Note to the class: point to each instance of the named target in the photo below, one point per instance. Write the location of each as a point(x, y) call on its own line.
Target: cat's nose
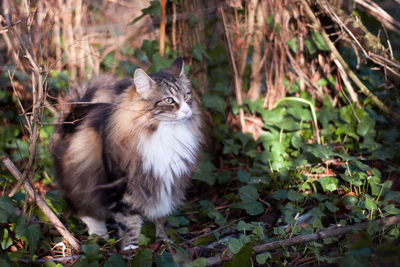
point(186, 111)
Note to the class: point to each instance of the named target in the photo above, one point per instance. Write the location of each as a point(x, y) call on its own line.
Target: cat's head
point(167, 92)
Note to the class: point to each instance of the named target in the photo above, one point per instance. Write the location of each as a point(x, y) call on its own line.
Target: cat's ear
point(143, 82)
point(177, 68)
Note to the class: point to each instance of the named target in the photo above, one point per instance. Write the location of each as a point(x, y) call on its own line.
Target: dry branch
point(42, 205)
point(251, 7)
point(368, 43)
point(256, 77)
point(381, 15)
point(335, 231)
point(335, 53)
point(238, 80)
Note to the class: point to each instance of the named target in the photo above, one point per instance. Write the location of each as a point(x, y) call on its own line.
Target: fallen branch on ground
point(330, 232)
point(42, 205)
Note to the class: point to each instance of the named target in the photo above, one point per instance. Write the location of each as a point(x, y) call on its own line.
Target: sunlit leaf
point(328, 183)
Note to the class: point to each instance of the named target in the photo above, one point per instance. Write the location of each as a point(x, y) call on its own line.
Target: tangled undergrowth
point(307, 165)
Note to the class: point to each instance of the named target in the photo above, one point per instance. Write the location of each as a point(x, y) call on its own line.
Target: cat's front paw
point(129, 247)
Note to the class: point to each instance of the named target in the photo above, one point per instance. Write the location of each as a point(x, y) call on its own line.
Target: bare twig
point(346, 81)
point(335, 231)
point(335, 53)
point(173, 30)
point(42, 204)
point(251, 6)
point(238, 80)
point(380, 14)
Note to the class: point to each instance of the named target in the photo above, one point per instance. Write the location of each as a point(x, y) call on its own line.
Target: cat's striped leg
point(129, 227)
point(160, 229)
point(95, 226)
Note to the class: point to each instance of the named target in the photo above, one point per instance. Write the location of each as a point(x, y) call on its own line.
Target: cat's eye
point(169, 100)
point(188, 95)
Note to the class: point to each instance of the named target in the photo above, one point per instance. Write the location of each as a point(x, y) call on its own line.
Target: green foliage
point(248, 189)
point(153, 10)
point(143, 258)
point(319, 41)
point(115, 261)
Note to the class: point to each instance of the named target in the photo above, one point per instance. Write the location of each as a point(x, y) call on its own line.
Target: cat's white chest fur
point(166, 154)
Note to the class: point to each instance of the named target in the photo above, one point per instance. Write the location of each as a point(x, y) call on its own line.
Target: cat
point(126, 149)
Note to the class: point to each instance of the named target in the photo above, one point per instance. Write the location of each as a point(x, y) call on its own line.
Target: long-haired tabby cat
point(126, 149)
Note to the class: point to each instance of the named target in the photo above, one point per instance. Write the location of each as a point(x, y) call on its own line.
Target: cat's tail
point(97, 90)
point(79, 101)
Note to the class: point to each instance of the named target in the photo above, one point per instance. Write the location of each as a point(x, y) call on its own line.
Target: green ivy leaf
point(243, 137)
point(243, 226)
point(199, 262)
point(153, 10)
point(299, 113)
point(205, 170)
point(243, 176)
point(204, 240)
point(311, 47)
point(369, 203)
point(322, 82)
point(6, 240)
point(319, 41)
point(55, 201)
point(143, 258)
point(297, 141)
point(263, 257)
point(32, 235)
point(252, 208)
point(319, 151)
point(143, 240)
point(234, 245)
point(209, 209)
point(293, 44)
point(248, 193)
point(330, 206)
point(173, 221)
point(214, 102)
point(366, 126)
point(294, 195)
point(242, 258)
point(328, 183)
point(281, 194)
point(150, 48)
point(391, 209)
point(182, 230)
point(7, 210)
point(166, 260)
point(254, 105)
point(115, 261)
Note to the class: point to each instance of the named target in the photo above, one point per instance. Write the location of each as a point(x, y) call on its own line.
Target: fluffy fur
point(127, 148)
